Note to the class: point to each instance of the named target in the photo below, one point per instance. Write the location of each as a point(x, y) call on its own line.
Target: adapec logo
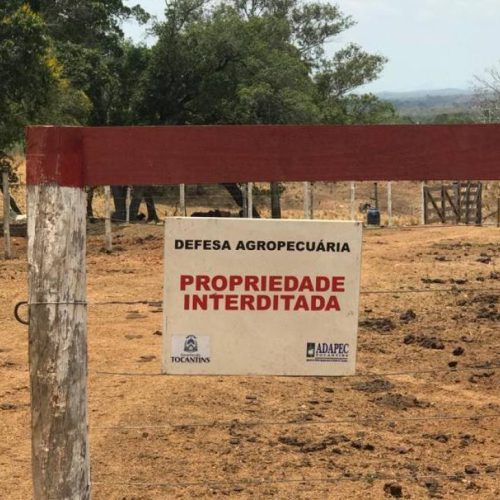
point(190, 349)
point(327, 352)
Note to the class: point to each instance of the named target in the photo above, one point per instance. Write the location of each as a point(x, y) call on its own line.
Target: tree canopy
point(236, 61)
point(487, 96)
point(24, 50)
point(257, 61)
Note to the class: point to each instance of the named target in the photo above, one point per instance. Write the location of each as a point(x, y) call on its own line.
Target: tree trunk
point(58, 342)
point(150, 205)
point(236, 194)
point(13, 205)
point(275, 200)
point(90, 199)
point(119, 197)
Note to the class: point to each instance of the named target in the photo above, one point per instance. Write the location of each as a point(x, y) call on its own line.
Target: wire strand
point(487, 365)
point(252, 423)
point(264, 481)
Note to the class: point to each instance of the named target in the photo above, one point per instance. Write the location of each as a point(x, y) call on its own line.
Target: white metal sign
point(247, 296)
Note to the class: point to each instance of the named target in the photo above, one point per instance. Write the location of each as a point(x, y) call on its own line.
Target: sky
point(430, 44)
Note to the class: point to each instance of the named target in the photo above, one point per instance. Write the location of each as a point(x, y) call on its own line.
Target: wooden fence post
point(128, 199)
point(107, 221)
point(58, 342)
point(498, 212)
point(479, 204)
point(250, 200)
point(389, 203)
point(308, 201)
point(443, 203)
point(6, 215)
point(244, 200)
point(423, 207)
point(467, 204)
point(353, 200)
point(182, 199)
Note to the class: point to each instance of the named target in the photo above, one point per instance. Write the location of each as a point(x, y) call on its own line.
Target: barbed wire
point(362, 292)
point(217, 483)
point(431, 290)
point(254, 423)
point(486, 365)
point(158, 302)
point(371, 228)
point(224, 205)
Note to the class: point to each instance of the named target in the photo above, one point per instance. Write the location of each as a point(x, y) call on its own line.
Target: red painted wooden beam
point(77, 156)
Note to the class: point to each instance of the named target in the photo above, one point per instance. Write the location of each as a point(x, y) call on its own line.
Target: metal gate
point(459, 202)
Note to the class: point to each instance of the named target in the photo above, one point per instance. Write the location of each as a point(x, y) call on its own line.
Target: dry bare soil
point(419, 429)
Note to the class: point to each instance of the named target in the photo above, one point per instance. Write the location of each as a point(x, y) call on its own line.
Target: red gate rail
point(78, 156)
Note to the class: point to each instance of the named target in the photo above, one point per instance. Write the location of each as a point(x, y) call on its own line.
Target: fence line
point(158, 303)
point(486, 365)
point(228, 201)
point(382, 227)
point(431, 290)
point(214, 483)
point(285, 423)
point(363, 292)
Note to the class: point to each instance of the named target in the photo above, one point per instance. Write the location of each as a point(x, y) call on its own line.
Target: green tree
point(90, 46)
point(29, 70)
point(88, 23)
point(257, 61)
point(458, 117)
point(487, 96)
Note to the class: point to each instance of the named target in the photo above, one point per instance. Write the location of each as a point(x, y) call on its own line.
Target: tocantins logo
point(190, 349)
point(191, 344)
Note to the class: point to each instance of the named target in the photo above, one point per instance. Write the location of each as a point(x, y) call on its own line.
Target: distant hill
point(419, 94)
point(429, 105)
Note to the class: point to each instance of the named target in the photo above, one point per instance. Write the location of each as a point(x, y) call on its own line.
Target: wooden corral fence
point(456, 203)
point(61, 161)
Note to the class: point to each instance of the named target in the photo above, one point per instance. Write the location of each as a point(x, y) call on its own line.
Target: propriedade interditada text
point(261, 292)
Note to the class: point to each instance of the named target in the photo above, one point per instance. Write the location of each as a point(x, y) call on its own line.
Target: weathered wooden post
point(443, 204)
point(423, 204)
point(182, 199)
point(467, 204)
point(498, 212)
point(128, 199)
point(108, 239)
point(6, 215)
point(389, 203)
point(58, 315)
point(308, 201)
point(250, 200)
point(353, 200)
point(244, 200)
point(479, 204)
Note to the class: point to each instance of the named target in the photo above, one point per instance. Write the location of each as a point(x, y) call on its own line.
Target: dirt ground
point(394, 435)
